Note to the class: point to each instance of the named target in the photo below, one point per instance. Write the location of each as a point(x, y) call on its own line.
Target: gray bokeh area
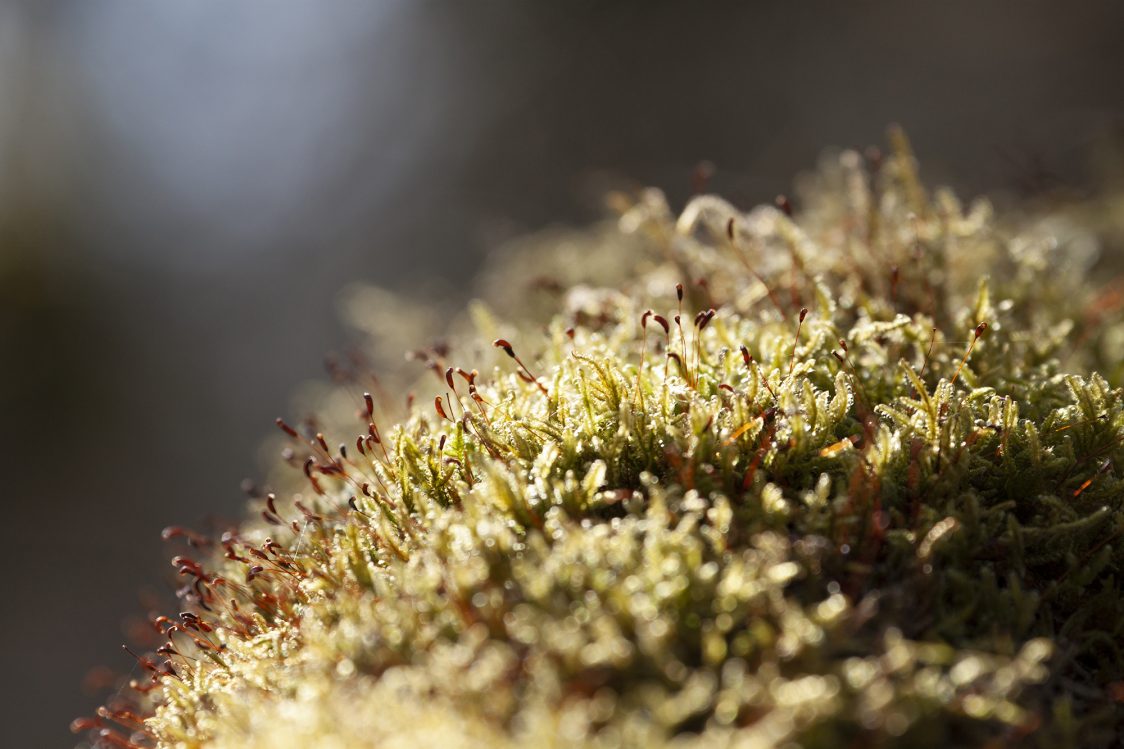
point(186, 187)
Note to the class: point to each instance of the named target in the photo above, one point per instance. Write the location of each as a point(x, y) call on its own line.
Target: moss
point(857, 480)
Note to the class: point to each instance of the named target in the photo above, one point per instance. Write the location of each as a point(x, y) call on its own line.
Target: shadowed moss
point(855, 479)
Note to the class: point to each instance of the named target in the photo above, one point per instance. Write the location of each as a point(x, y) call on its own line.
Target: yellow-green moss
point(878, 521)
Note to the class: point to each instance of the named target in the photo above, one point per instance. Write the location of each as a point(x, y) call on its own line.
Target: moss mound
point(855, 480)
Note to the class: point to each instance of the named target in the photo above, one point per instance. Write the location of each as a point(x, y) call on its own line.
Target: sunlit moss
point(704, 521)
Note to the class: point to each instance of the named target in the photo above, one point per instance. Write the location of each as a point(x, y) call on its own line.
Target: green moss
point(874, 522)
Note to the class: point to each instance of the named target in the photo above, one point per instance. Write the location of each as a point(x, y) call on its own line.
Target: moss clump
point(857, 480)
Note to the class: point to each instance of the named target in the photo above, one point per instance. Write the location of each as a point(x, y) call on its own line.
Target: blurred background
point(186, 187)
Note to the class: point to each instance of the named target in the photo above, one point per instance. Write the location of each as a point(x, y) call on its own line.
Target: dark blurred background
point(186, 187)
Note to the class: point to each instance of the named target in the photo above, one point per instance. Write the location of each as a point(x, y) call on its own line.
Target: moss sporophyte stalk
point(843, 471)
